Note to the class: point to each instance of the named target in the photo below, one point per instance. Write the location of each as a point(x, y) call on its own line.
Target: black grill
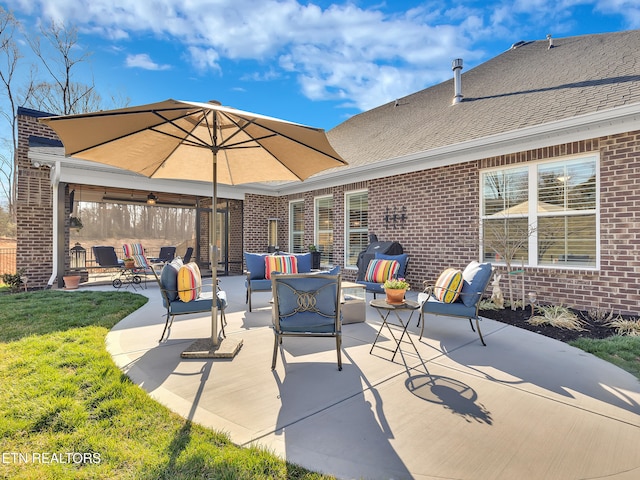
point(364, 257)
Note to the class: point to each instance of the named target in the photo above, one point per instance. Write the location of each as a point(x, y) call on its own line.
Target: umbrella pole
point(213, 254)
point(213, 347)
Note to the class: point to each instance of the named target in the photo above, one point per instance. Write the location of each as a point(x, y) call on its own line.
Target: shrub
point(14, 280)
point(556, 316)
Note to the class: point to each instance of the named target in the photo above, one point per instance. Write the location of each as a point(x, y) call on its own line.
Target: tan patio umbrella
point(198, 141)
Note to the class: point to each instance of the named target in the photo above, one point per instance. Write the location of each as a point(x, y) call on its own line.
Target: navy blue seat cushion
point(194, 306)
point(259, 285)
point(474, 280)
point(202, 304)
point(372, 287)
point(401, 259)
point(457, 308)
point(255, 264)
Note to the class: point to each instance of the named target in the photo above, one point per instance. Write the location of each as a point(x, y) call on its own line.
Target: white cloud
point(631, 9)
point(363, 56)
point(204, 58)
point(143, 60)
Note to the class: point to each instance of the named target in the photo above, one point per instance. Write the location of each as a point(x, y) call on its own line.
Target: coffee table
point(385, 309)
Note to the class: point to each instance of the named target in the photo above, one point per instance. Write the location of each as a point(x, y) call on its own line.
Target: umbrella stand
point(213, 347)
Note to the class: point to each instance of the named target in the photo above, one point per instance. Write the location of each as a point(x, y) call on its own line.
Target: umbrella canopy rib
point(169, 139)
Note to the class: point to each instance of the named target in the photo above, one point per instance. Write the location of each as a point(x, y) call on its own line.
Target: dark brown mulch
point(519, 317)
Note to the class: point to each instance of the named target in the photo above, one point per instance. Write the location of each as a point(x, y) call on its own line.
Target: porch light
point(151, 199)
point(78, 256)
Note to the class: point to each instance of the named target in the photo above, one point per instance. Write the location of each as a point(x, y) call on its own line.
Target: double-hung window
point(323, 217)
point(356, 226)
point(542, 214)
point(296, 226)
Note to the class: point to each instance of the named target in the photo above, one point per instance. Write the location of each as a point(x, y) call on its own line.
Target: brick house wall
point(235, 236)
point(34, 208)
point(257, 210)
point(441, 227)
point(441, 208)
point(442, 224)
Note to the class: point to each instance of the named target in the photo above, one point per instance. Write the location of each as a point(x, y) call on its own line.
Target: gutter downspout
point(55, 186)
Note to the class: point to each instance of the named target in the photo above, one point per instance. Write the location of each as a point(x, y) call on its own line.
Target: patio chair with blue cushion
point(181, 300)
point(457, 294)
point(306, 305)
point(257, 277)
point(381, 268)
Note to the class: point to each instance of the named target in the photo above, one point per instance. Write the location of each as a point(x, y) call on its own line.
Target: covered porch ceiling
point(129, 196)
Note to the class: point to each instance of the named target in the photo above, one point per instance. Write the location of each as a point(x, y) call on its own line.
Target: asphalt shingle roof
point(522, 87)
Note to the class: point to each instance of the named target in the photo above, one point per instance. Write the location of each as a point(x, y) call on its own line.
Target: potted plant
point(75, 223)
point(71, 282)
point(395, 289)
point(315, 257)
point(129, 262)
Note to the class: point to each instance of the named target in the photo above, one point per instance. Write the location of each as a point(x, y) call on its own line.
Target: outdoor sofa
point(257, 279)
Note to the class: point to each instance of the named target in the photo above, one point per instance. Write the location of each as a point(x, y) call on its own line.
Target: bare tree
point(10, 57)
point(61, 94)
point(57, 93)
point(507, 238)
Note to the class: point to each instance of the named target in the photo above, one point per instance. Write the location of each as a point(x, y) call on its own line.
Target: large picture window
point(543, 213)
point(324, 228)
point(296, 226)
point(356, 226)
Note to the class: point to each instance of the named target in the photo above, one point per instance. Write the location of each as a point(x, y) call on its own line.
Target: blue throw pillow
point(169, 278)
point(255, 264)
point(401, 259)
point(304, 262)
point(474, 279)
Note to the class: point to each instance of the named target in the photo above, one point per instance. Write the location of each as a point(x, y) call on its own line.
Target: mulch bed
point(519, 317)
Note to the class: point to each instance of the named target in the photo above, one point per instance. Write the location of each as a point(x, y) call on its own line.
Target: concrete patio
point(525, 406)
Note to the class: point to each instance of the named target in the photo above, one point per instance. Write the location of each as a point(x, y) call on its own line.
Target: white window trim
point(291, 202)
point(533, 214)
point(316, 231)
point(346, 225)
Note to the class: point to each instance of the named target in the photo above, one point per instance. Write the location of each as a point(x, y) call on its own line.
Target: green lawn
point(623, 351)
point(68, 412)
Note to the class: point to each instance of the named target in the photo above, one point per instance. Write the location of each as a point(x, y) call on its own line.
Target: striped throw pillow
point(379, 271)
point(448, 286)
point(189, 282)
point(280, 264)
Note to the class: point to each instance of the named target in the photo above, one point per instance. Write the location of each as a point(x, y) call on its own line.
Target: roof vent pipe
point(456, 66)
point(550, 41)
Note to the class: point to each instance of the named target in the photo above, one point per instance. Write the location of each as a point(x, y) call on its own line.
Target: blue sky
point(316, 63)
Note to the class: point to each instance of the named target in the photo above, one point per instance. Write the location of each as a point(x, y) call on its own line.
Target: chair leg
point(339, 349)
point(479, 332)
point(223, 322)
point(167, 324)
point(421, 321)
point(276, 341)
